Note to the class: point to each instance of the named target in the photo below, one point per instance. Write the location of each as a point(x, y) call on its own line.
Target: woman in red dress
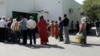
point(42, 29)
point(56, 30)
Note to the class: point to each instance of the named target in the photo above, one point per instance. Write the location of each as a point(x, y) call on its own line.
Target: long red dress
point(42, 29)
point(56, 31)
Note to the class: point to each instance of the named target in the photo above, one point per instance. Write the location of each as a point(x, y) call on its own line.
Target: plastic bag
point(80, 35)
point(78, 39)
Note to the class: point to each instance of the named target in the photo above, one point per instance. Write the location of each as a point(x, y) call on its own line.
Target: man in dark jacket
point(66, 29)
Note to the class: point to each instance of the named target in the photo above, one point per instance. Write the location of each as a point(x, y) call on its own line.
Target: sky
point(80, 1)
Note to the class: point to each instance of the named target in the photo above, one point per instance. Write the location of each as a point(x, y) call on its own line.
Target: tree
point(92, 9)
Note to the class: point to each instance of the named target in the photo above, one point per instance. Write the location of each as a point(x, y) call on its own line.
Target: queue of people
point(15, 30)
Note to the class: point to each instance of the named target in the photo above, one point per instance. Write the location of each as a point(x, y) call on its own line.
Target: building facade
point(51, 9)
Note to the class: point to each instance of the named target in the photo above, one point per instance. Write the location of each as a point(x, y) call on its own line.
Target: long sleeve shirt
point(65, 22)
point(23, 24)
point(31, 24)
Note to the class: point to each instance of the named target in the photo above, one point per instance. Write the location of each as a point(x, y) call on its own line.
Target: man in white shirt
point(31, 25)
point(2, 29)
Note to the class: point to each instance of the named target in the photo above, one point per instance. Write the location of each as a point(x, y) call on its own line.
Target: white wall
point(75, 15)
point(55, 8)
point(19, 5)
point(52, 6)
point(66, 5)
point(2, 8)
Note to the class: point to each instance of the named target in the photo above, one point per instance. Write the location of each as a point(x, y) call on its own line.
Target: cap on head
point(31, 17)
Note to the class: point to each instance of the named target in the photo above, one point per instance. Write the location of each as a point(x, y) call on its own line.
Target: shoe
point(24, 43)
point(67, 43)
point(61, 40)
point(30, 43)
point(98, 35)
point(34, 43)
point(46, 44)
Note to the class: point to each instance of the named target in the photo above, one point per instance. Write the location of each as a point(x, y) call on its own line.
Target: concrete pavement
point(55, 48)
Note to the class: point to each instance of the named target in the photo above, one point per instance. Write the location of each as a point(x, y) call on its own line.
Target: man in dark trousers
point(60, 30)
point(3, 26)
point(66, 29)
point(72, 24)
point(31, 25)
point(24, 29)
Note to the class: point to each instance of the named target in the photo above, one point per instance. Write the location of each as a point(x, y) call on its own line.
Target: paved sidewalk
point(55, 48)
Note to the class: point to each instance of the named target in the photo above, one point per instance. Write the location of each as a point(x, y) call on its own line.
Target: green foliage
point(92, 9)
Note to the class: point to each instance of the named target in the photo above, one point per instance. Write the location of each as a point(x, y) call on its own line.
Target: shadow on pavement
point(78, 44)
point(43, 46)
point(87, 45)
point(94, 44)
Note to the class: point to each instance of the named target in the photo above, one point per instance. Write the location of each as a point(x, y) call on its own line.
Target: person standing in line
point(6, 31)
point(66, 29)
point(31, 25)
point(42, 29)
point(7, 34)
point(9, 28)
point(13, 34)
point(77, 26)
point(52, 28)
point(3, 26)
point(72, 24)
point(16, 30)
point(23, 24)
point(48, 23)
point(56, 30)
point(60, 30)
point(83, 29)
point(97, 24)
